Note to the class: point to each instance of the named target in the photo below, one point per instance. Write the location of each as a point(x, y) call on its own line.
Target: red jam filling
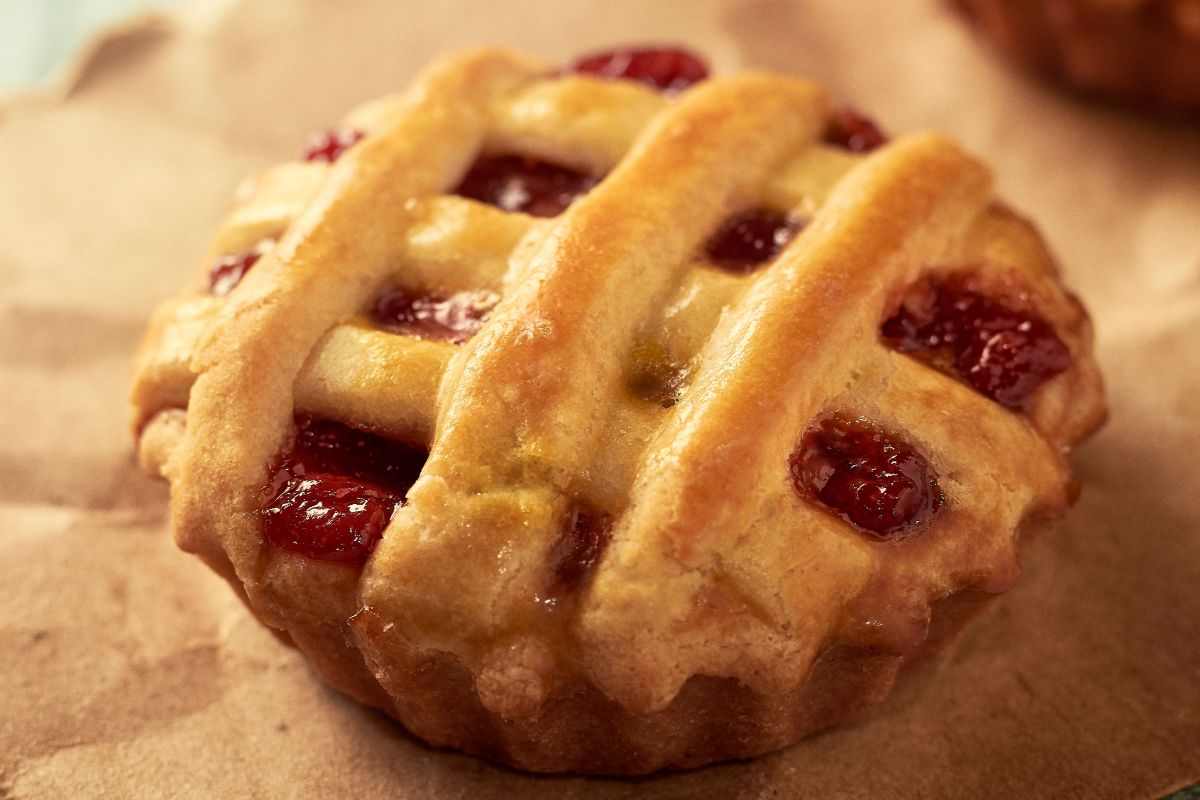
point(517, 183)
point(585, 535)
point(452, 319)
point(751, 238)
point(330, 145)
point(228, 272)
point(1005, 354)
point(866, 476)
point(669, 69)
point(336, 489)
point(853, 131)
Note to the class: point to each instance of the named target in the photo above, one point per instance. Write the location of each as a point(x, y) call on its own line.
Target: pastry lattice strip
point(578, 289)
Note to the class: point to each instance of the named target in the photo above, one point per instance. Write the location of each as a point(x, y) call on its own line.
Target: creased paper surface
point(129, 670)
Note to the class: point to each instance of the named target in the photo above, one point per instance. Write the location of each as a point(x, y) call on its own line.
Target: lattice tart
point(613, 417)
point(1142, 51)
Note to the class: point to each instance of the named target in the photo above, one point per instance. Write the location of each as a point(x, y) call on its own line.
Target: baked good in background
point(1142, 52)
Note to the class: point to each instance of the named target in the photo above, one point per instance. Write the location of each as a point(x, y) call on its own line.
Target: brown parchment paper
point(128, 670)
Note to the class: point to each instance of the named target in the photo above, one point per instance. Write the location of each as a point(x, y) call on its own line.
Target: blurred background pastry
point(1143, 52)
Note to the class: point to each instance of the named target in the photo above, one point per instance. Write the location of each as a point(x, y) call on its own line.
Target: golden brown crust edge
point(1139, 52)
point(711, 720)
point(578, 729)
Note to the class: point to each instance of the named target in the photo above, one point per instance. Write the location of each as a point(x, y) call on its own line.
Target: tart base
point(580, 730)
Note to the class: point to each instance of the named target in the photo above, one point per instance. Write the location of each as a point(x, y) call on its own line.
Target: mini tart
point(614, 417)
point(1144, 52)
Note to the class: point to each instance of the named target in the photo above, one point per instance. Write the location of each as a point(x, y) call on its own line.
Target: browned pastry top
point(637, 456)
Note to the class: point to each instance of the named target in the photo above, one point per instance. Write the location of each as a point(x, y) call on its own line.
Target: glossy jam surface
point(452, 319)
point(229, 270)
point(853, 131)
point(585, 534)
point(866, 475)
point(751, 238)
point(1004, 353)
point(330, 145)
point(669, 69)
point(516, 183)
point(336, 489)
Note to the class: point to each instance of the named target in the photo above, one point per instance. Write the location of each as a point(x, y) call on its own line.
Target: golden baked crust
point(1142, 51)
point(728, 616)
